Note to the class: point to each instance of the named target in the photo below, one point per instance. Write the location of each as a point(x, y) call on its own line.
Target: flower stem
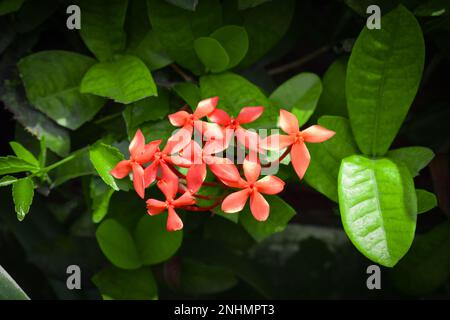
point(285, 153)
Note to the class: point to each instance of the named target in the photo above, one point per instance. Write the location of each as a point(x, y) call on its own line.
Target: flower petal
point(209, 130)
point(249, 114)
point(300, 158)
point(220, 117)
point(186, 199)
point(206, 107)
point(138, 179)
point(235, 202)
point(150, 173)
point(277, 142)
point(155, 206)
point(317, 133)
point(174, 222)
point(178, 119)
point(248, 138)
point(228, 174)
point(137, 144)
point(148, 152)
point(214, 146)
point(179, 161)
point(192, 152)
point(121, 170)
point(252, 168)
point(195, 177)
point(288, 122)
point(169, 187)
point(259, 207)
point(270, 185)
point(179, 140)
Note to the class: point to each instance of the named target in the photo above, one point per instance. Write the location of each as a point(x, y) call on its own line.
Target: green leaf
point(379, 92)
point(104, 158)
point(280, 214)
point(9, 6)
point(23, 193)
point(189, 92)
point(299, 94)
point(22, 153)
point(148, 109)
point(322, 173)
point(198, 278)
point(378, 207)
point(12, 164)
point(425, 201)
point(118, 284)
point(426, 267)
point(9, 289)
point(333, 101)
point(7, 180)
point(57, 138)
point(266, 24)
point(185, 4)
point(125, 80)
point(247, 4)
point(177, 29)
point(118, 245)
point(236, 92)
point(154, 243)
point(100, 195)
point(155, 130)
point(212, 54)
point(433, 8)
point(415, 158)
point(52, 80)
point(102, 27)
point(234, 40)
point(79, 166)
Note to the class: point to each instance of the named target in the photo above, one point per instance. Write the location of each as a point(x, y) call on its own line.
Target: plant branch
point(183, 74)
point(285, 153)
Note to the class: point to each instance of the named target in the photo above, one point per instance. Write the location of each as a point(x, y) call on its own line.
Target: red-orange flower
point(296, 139)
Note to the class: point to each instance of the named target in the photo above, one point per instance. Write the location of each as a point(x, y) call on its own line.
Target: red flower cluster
point(148, 163)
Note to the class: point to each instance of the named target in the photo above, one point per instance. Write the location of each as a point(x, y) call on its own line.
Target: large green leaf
point(102, 26)
point(322, 173)
point(378, 207)
point(24, 154)
point(7, 180)
point(234, 40)
point(118, 245)
point(79, 166)
point(211, 54)
point(118, 284)
point(236, 92)
point(426, 267)
point(100, 196)
point(299, 94)
point(154, 243)
point(104, 158)
point(189, 92)
point(125, 80)
point(23, 193)
point(415, 158)
point(12, 164)
point(9, 289)
point(57, 138)
point(332, 101)
point(425, 200)
point(383, 76)
point(52, 80)
point(9, 6)
point(177, 29)
point(280, 215)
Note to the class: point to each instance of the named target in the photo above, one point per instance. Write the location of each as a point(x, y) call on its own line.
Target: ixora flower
point(295, 140)
point(169, 188)
point(251, 187)
point(140, 154)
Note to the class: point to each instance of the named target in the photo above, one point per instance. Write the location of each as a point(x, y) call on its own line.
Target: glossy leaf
point(7, 180)
point(118, 284)
point(118, 245)
point(124, 80)
point(154, 243)
point(104, 158)
point(103, 26)
point(299, 94)
point(234, 40)
point(280, 215)
point(9, 289)
point(100, 195)
point(378, 207)
point(22, 153)
point(379, 92)
point(189, 92)
point(415, 158)
point(52, 80)
point(425, 201)
point(212, 54)
point(12, 164)
point(79, 166)
point(23, 193)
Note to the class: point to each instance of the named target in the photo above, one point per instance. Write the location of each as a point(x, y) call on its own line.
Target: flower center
point(299, 137)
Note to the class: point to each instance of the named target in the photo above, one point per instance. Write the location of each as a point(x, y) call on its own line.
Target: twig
point(298, 63)
point(183, 74)
point(285, 153)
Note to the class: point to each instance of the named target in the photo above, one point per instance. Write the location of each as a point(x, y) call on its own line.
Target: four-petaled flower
point(140, 154)
point(296, 139)
point(253, 188)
